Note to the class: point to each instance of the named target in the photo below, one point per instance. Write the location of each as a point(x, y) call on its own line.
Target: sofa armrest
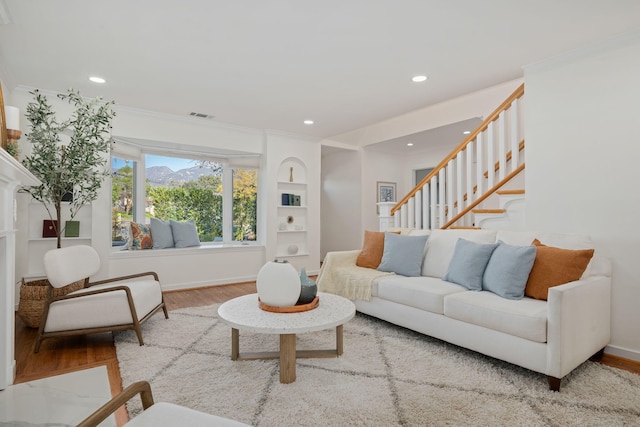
point(341, 258)
point(141, 387)
point(333, 260)
point(578, 323)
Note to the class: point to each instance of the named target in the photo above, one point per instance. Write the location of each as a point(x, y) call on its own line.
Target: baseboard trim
point(227, 281)
point(622, 352)
point(206, 283)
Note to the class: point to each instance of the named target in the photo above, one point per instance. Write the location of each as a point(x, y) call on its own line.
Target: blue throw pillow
point(161, 233)
point(403, 254)
point(185, 234)
point(508, 270)
point(467, 265)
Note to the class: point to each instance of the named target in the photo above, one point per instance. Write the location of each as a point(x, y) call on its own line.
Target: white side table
point(243, 313)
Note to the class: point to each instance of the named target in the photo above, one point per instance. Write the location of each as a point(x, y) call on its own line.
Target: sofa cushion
point(185, 234)
point(508, 270)
point(403, 254)
point(555, 266)
point(162, 234)
point(560, 240)
point(424, 293)
point(372, 249)
point(401, 230)
point(441, 245)
point(468, 263)
point(139, 236)
point(108, 308)
point(525, 318)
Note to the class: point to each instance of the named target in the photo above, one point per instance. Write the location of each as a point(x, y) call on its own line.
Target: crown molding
point(163, 116)
point(188, 119)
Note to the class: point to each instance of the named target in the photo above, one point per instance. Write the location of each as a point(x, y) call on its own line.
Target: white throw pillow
point(441, 245)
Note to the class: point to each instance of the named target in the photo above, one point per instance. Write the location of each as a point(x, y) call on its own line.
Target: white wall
point(279, 147)
point(191, 268)
point(475, 104)
point(341, 189)
point(185, 130)
point(376, 167)
point(582, 163)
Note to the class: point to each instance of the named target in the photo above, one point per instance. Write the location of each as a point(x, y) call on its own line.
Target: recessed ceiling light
point(97, 79)
point(409, 144)
point(308, 122)
point(419, 79)
point(466, 132)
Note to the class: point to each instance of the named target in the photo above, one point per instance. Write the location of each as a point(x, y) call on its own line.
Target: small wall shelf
point(38, 245)
point(291, 256)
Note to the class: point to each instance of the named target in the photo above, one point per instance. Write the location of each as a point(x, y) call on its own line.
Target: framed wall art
point(386, 192)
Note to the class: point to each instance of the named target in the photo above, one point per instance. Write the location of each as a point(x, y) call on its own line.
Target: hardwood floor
point(63, 355)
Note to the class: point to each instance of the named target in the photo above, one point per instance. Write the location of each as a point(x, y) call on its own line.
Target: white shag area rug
point(387, 376)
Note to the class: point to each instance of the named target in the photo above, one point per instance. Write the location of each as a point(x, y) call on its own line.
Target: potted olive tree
point(77, 167)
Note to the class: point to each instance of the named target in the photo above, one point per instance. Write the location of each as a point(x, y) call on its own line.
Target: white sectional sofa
point(551, 337)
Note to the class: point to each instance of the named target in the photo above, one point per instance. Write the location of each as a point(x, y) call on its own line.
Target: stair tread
point(464, 227)
point(506, 192)
point(481, 211)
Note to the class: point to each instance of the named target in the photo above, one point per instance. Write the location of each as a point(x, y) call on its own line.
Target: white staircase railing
point(488, 158)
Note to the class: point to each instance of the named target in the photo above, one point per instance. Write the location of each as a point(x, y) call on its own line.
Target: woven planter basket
point(32, 297)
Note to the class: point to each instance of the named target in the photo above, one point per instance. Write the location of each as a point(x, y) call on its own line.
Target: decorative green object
point(72, 229)
point(12, 149)
point(309, 289)
point(79, 165)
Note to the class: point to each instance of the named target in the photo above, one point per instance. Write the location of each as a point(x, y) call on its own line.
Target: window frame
point(227, 191)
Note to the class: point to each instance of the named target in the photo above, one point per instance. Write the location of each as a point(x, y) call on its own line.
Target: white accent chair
point(156, 414)
point(115, 304)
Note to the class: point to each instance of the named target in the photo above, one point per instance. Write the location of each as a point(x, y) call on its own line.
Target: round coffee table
point(243, 313)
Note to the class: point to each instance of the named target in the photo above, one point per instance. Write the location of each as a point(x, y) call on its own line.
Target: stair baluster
point(488, 158)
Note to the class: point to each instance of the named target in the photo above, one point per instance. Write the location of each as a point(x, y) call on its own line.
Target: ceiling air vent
point(201, 115)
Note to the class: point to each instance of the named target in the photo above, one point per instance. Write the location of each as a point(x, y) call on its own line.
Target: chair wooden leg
point(554, 383)
point(38, 342)
point(138, 330)
point(166, 313)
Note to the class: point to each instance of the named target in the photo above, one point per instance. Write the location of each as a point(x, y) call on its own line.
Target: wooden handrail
point(484, 196)
point(483, 126)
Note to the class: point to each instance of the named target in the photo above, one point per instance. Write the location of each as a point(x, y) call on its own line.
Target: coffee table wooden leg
point(235, 344)
point(339, 340)
point(287, 358)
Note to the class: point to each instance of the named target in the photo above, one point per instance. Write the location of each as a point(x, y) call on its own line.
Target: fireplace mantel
point(12, 176)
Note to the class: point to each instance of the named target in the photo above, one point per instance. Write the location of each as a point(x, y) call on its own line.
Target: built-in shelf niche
point(292, 219)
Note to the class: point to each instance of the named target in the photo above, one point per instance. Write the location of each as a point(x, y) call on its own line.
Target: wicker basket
point(32, 297)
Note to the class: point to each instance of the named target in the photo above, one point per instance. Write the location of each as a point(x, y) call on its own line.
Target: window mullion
point(139, 191)
point(227, 203)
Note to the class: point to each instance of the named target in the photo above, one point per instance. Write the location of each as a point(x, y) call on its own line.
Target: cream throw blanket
point(341, 276)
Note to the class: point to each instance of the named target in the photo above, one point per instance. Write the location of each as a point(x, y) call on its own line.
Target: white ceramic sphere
point(278, 284)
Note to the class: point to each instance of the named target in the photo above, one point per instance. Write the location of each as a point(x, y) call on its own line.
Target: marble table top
point(243, 313)
point(62, 400)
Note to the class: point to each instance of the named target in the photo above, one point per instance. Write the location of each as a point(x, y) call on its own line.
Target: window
point(186, 189)
point(245, 203)
point(122, 198)
point(183, 189)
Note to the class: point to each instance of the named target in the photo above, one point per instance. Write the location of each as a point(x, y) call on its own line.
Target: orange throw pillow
point(372, 249)
point(553, 267)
